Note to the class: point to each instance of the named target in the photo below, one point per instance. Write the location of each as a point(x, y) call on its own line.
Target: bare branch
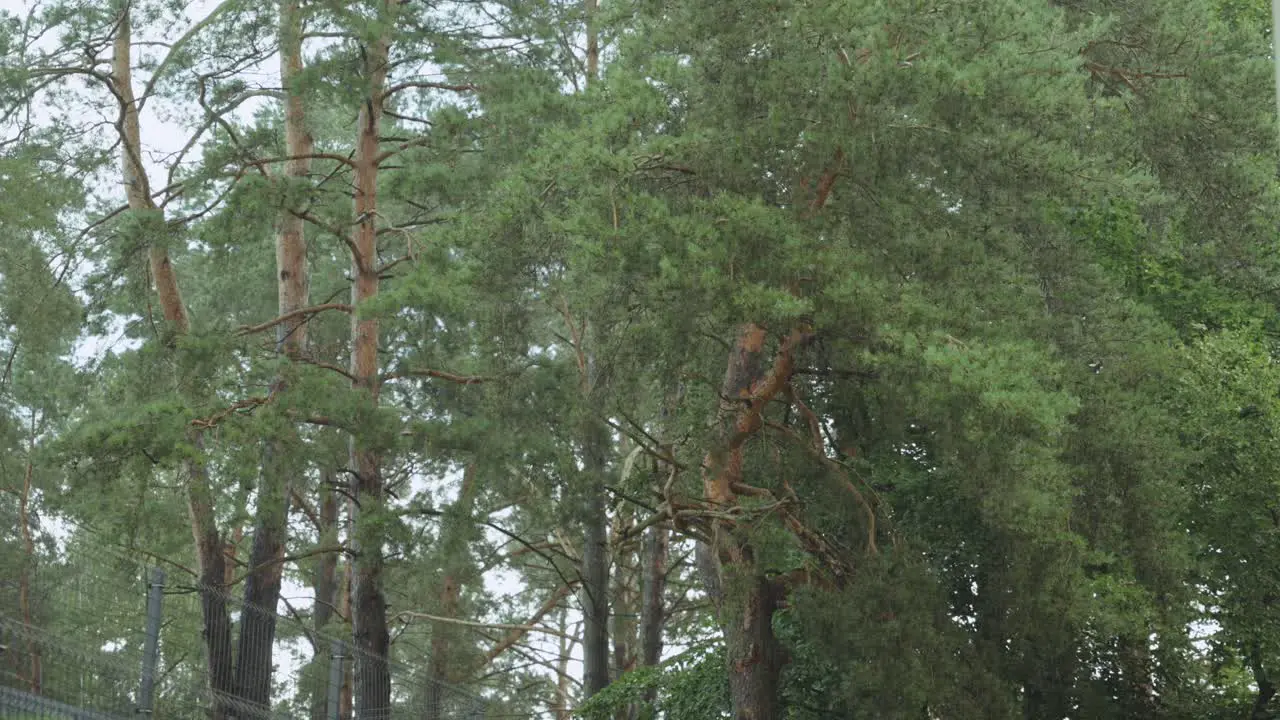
point(410, 615)
point(327, 366)
point(289, 558)
point(426, 85)
point(312, 310)
point(343, 159)
point(438, 374)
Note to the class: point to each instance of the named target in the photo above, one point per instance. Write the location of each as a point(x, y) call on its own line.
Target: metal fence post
point(151, 647)
point(335, 679)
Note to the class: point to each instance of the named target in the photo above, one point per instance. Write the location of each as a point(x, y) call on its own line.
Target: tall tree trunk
point(1138, 671)
point(625, 602)
point(745, 599)
point(204, 529)
point(455, 537)
point(653, 589)
point(35, 677)
point(595, 565)
point(560, 705)
point(592, 8)
point(346, 697)
point(595, 552)
point(213, 598)
point(1266, 688)
point(369, 616)
point(626, 599)
point(254, 667)
point(326, 589)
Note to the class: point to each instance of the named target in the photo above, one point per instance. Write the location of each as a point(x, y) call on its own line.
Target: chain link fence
point(130, 641)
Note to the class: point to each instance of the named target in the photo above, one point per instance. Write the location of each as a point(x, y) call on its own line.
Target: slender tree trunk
point(213, 597)
point(346, 699)
point(369, 616)
point(204, 529)
point(755, 656)
point(455, 537)
point(560, 705)
point(34, 679)
point(441, 644)
point(1266, 687)
point(592, 8)
point(254, 667)
point(625, 603)
point(595, 552)
point(626, 599)
point(595, 566)
point(1136, 665)
point(653, 588)
point(326, 588)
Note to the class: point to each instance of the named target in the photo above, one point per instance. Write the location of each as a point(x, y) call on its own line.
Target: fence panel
point(137, 648)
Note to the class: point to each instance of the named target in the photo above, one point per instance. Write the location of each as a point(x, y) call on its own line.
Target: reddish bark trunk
point(745, 598)
point(369, 614)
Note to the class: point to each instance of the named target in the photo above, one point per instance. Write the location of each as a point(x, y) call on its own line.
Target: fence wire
point(100, 665)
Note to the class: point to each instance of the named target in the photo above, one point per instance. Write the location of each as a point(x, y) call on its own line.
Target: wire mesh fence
point(119, 638)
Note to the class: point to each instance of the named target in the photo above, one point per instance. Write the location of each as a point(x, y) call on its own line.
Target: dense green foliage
point(1026, 454)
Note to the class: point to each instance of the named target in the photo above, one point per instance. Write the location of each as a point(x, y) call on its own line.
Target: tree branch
point(312, 310)
point(425, 85)
point(289, 558)
point(178, 44)
point(437, 374)
point(410, 615)
point(516, 634)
